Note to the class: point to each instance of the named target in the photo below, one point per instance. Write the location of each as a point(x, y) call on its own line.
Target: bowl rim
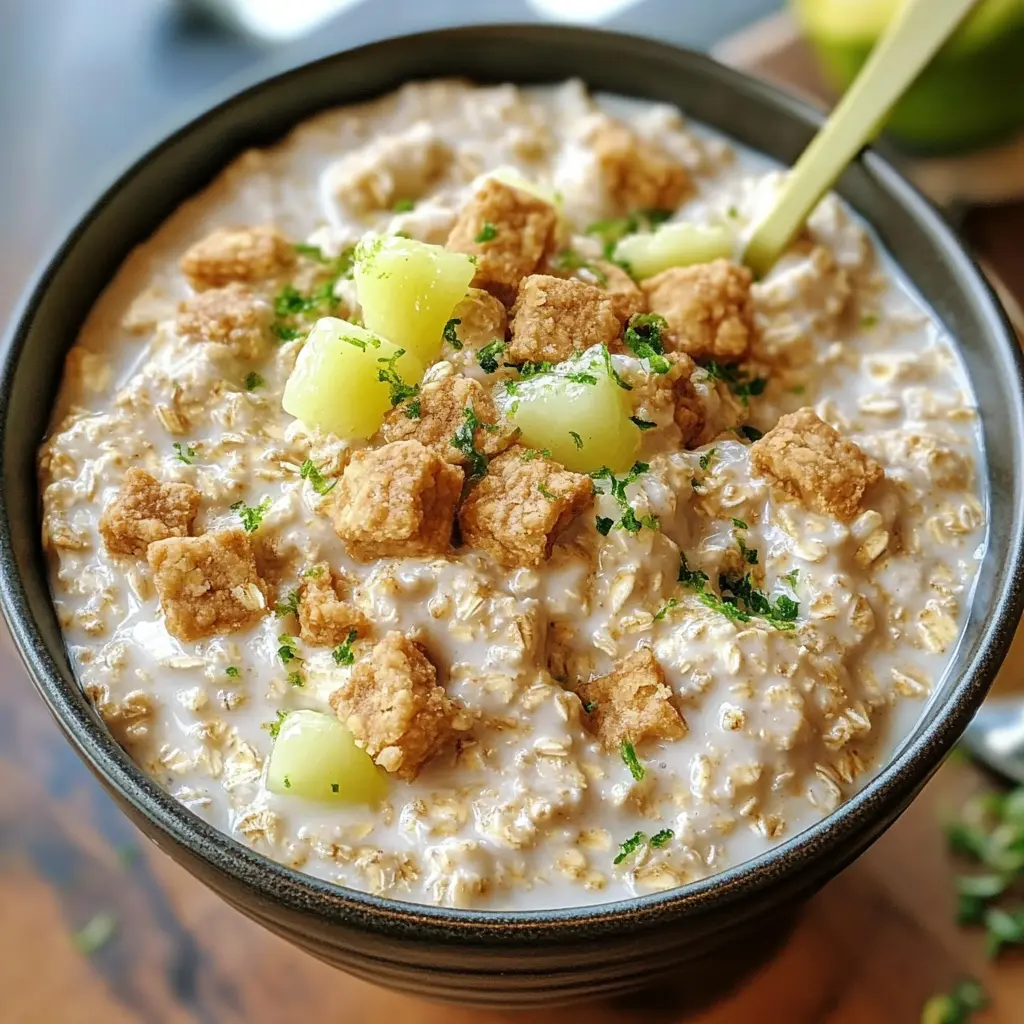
point(784, 867)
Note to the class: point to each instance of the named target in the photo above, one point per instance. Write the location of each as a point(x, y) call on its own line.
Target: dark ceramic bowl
point(706, 933)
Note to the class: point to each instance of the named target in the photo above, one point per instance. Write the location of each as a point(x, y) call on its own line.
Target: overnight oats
point(437, 505)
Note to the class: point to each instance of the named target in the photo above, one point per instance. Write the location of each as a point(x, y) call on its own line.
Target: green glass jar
point(971, 95)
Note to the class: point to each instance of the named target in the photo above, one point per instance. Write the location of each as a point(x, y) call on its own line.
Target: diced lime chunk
point(335, 385)
point(578, 412)
point(675, 245)
point(315, 757)
point(408, 290)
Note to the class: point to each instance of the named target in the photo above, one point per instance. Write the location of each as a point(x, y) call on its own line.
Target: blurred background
point(96, 927)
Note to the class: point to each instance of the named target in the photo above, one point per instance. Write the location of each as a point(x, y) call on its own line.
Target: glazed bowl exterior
point(705, 934)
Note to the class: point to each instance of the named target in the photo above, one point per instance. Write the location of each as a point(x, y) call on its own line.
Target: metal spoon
point(911, 40)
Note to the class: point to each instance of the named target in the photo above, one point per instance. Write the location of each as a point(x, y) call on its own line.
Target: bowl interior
point(751, 112)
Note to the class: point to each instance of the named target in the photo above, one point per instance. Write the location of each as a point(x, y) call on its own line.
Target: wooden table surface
point(869, 949)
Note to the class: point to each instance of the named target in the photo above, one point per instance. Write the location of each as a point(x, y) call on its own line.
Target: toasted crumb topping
point(689, 413)
point(325, 616)
point(507, 230)
point(708, 307)
point(394, 707)
point(637, 173)
point(632, 704)
point(442, 407)
point(233, 315)
point(554, 317)
point(517, 511)
point(146, 510)
point(397, 500)
point(236, 254)
point(812, 463)
point(482, 318)
point(207, 585)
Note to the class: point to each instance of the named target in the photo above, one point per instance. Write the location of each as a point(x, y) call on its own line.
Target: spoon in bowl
point(911, 40)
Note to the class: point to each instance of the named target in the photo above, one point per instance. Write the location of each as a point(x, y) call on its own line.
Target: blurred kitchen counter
point(870, 948)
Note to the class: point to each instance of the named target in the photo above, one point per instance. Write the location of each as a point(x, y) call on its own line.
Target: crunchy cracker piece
point(690, 413)
point(325, 618)
point(442, 407)
point(482, 318)
point(232, 315)
point(637, 173)
point(236, 254)
point(632, 703)
point(516, 512)
point(708, 307)
point(145, 511)
point(207, 585)
point(394, 707)
point(815, 465)
point(395, 501)
point(554, 317)
point(507, 230)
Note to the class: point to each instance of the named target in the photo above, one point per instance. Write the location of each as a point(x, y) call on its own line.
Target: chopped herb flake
point(529, 454)
point(576, 439)
point(287, 783)
point(642, 424)
point(289, 606)
point(581, 378)
point(590, 706)
point(286, 651)
point(335, 787)
point(342, 654)
point(643, 338)
point(449, 334)
point(956, 1007)
point(707, 458)
point(547, 494)
point(630, 846)
point(295, 679)
point(612, 372)
point(604, 525)
point(693, 579)
point(740, 384)
point(275, 727)
point(233, 671)
point(253, 381)
point(671, 603)
point(251, 515)
point(96, 933)
point(319, 483)
point(404, 205)
point(399, 390)
point(488, 356)
point(739, 524)
point(184, 453)
point(632, 762)
point(659, 839)
point(628, 520)
point(463, 441)
point(487, 233)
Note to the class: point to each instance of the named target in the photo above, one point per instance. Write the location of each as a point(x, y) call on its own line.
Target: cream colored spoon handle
point(911, 40)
